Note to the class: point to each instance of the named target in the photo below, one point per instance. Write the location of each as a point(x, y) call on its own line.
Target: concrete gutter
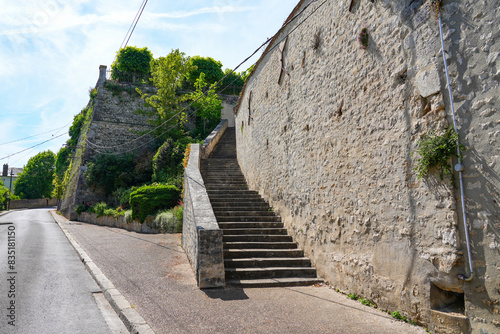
point(130, 317)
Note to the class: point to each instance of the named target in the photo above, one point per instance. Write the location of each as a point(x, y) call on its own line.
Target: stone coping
point(212, 139)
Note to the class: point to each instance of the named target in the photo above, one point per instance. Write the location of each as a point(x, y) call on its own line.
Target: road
point(153, 273)
point(45, 287)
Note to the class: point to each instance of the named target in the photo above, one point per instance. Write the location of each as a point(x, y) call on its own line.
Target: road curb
point(130, 317)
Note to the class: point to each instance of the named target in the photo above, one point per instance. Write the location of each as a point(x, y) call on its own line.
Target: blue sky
point(50, 52)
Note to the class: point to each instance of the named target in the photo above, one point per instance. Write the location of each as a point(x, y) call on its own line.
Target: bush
point(131, 62)
point(98, 209)
point(147, 200)
point(169, 221)
point(167, 160)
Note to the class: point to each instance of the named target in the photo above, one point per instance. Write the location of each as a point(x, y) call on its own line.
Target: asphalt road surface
point(44, 286)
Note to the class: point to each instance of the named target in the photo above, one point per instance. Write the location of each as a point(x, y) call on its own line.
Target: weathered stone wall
point(115, 127)
point(326, 132)
point(119, 222)
point(32, 203)
point(201, 236)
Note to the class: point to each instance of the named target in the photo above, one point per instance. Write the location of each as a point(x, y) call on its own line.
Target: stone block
point(427, 81)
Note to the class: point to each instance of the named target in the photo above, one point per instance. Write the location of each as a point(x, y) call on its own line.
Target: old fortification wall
point(115, 127)
point(326, 131)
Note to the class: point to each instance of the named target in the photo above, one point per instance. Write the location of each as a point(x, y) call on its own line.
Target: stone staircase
point(258, 252)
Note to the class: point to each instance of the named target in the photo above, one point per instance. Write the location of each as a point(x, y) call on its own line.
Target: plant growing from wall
point(363, 38)
point(435, 6)
point(436, 151)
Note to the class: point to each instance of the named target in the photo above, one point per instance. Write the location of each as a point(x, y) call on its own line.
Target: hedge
point(147, 200)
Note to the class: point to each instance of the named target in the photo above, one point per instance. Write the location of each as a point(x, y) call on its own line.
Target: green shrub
point(147, 200)
point(167, 162)
point(98, 209)
point(81, 208)
point(127, 216)
point(169, 221)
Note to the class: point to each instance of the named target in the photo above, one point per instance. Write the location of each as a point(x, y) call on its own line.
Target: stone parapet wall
point(201, 236)
point(326, 131)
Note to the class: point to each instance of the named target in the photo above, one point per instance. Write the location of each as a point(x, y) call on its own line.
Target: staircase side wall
point(326, 130)
point(201, 236)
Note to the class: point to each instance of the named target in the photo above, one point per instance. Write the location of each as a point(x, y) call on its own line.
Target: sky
point(50, 52)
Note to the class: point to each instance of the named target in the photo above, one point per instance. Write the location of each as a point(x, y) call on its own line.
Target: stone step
point(235, 219)
point(263, 253)
point(257, 238)
point(258, 245)
point(246, 225)
point(266, 262)
point(270, 272)
point(236, 206)
point(231, 192)
point(238, 201)
point(225, 212)
point(273, 282)
point(239, 197)
point(254, 231)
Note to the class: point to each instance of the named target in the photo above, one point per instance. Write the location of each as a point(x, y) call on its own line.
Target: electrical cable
point(11, 155)
point(145, 3)
point(218, 82)
point(39, 134)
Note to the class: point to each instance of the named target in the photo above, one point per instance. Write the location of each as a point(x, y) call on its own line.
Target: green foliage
point(81, 208)
point(107, 172)
point(167, 74)
point(147, 200)
point(4, 193)
point(121, 197)
point(398, 316)
point(169, 221)
point(245, 74)
point(436, 151)
point(131, 63)
point(208, 108)
point(116, 88)
point(353, 296)
point(233, 83)
point(167, 160)
point(98, 209)
point(206, 65)
point(36, 179)
point(366, 302)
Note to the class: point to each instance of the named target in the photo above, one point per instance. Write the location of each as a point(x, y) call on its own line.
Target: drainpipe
point(458, 167)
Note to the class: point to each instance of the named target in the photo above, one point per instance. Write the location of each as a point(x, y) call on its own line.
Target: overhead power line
point(99, 148)
point(32, 136)
point(29, 148)
point(133, 25)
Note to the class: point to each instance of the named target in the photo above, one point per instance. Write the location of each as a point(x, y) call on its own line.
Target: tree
point(167, 74)
point(131, 62)
point(36, 179)
point(232, 83)
point(208, 106)
point(211, 67)
point(4, 193)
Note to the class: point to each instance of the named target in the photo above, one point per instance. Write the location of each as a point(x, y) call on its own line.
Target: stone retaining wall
point(32, 203)
point(119, 222)
point(326, 131)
